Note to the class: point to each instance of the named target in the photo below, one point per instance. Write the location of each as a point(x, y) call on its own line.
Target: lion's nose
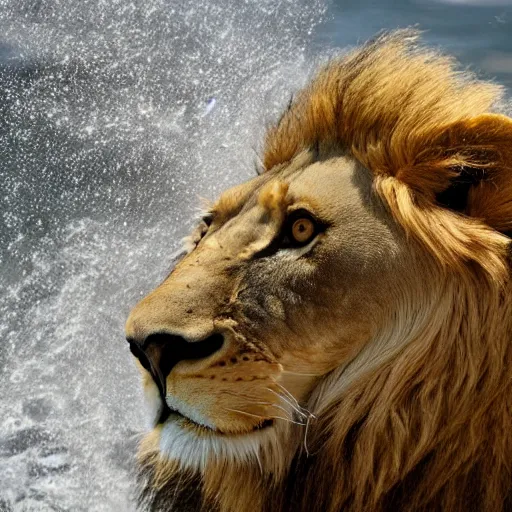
point(160, 352)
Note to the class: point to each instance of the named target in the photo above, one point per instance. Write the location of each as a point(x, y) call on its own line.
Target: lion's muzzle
point(160, 352)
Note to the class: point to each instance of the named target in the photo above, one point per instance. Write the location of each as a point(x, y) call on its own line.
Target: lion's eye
point(299, 229)
point(303, 230)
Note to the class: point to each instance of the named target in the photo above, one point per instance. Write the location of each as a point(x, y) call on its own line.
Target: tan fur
point(383, 350)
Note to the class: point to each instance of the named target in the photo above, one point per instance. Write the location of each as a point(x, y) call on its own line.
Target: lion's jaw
point(186, 444)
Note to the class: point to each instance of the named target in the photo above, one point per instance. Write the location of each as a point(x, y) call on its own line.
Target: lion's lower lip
point(168, 413)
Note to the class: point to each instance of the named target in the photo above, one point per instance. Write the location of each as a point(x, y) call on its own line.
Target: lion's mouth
point(167, 414)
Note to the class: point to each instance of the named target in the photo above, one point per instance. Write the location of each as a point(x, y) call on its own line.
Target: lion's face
point(364, 277)
point(288, 278)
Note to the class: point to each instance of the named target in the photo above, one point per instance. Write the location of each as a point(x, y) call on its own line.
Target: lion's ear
point(471, 166)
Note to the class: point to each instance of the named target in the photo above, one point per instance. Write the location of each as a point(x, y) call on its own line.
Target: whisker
point(302, 374)
point(306, 436)
point(287, 393)
point(295, 408)
point(265, 417)
point(303, 409)
point(273, 405)
point(288, 420)
point(246, 413)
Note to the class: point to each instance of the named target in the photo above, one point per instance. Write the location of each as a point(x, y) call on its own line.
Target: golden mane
point(431, 428)
point(409, 116)
point(427, 425)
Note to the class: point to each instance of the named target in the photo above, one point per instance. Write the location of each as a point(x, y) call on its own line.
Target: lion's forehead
point(327, 187)
point(336, 190)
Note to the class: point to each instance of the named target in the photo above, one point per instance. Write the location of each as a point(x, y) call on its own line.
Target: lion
point(338, 336)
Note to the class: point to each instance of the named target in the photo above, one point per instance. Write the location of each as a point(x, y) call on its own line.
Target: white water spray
point(114, 118)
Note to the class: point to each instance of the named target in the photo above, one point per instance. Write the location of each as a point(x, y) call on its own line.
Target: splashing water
point(114, 117)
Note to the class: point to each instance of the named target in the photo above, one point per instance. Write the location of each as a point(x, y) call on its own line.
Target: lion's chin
point(194, 446)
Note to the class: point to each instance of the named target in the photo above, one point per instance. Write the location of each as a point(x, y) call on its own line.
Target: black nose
point(160, 352)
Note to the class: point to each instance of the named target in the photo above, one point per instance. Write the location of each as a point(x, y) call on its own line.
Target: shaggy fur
point(432, 428)
point(426, 424)
point(407, 115)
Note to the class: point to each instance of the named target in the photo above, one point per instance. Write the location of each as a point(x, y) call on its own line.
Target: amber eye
point(299, 229)
point(303, 230)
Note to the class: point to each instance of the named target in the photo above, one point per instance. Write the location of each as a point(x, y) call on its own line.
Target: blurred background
point(115, 117)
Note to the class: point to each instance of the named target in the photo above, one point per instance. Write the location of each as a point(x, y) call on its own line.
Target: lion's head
point(338, 336)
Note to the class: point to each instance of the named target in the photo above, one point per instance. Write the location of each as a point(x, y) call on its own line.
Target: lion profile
point(339, 335)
